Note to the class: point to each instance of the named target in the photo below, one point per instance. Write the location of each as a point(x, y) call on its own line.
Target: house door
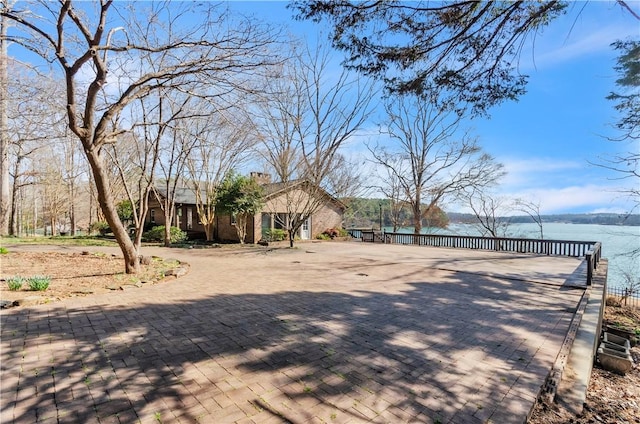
point(305, 230)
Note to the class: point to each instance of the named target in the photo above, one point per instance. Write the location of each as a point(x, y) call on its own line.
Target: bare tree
point(137, 155)
point(494, 213)
point(89, 42)
point(4, 133)
point(27, 114)
point(224, 138)
point(532, 210)
point(433, 161)
point(391, 187)
point(175, 151)
point(489, 211)
point(346, 179)
point(310, 116)
point(55, 197)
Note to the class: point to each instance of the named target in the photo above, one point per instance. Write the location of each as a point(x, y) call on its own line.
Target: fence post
point(589, 259)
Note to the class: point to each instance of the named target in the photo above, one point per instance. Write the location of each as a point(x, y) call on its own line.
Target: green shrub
point(100, 227)
point(277, 234)
point(39, 282)
point(3, 251)
point(331, 233)
point(157, 234)
point(15, 283)
point(323, 236)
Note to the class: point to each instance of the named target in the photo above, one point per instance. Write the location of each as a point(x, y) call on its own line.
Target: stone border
point(572, 390)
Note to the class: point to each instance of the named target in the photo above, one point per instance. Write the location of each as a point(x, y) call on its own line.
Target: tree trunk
point(4, 136)
point(13, 218)
point(105, 200)
point(72, 209)
point(241, 226)
point(417, 218)
point(167, 234)
point(208, 231)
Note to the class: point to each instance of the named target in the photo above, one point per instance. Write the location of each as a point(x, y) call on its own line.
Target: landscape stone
point(29, 300)
point(176, 272)
point(615, 361)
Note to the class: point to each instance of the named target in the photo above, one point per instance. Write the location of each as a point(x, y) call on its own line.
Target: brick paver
point(324, 333)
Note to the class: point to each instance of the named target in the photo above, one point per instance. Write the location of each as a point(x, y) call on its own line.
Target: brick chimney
point(261, 178)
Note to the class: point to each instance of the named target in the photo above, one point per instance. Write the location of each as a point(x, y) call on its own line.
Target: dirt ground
point(611, 398)
point(72, 275)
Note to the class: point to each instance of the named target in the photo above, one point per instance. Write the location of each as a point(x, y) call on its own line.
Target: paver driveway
point(327, 332)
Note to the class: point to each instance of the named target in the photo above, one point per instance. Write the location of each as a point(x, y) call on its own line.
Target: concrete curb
point(572, 390)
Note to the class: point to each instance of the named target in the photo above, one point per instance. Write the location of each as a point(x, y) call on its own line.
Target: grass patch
point(15, 283)
point(61, 240)
point(39, 282)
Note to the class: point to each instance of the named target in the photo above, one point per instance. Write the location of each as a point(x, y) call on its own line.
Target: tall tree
point(224, 138)
point(627, 103)
point(390, 185)
point(311, 114)
point(32, 119)
point(89, 41)
point(433, 160)
point(468, 48)
point(5, 195)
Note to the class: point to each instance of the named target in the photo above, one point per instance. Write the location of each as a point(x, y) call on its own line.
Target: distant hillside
point(582, 218)
point(365, 213)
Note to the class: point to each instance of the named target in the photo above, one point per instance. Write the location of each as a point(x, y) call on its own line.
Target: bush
point(100, 227)
point(15, 283)
point(39, 282)
point(276, 234)
point(323, 236)
point(332, 233)
point(157, 234)
point(3, 251)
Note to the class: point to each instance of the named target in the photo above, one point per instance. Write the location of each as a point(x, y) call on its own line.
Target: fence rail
point(590, 250)
point(624, 296)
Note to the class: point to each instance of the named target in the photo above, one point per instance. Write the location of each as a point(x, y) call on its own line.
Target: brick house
point(280, 201)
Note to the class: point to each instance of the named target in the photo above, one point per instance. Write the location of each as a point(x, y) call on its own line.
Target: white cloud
point(523, 173)
point(561, 185)
point(586, 198)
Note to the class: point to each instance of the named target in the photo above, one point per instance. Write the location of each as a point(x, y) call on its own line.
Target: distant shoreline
point(596, 219)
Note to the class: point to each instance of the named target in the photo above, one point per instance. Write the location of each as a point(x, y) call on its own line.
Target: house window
point(153, 216)
point(280, 221)
point(189, 218)
point(266, 221)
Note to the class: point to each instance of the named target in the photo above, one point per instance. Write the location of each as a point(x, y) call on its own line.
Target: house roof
point(181, 194)
point(274, 189)
point(186, 195)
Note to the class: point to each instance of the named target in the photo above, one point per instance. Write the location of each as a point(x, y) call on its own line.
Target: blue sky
point(547, 138)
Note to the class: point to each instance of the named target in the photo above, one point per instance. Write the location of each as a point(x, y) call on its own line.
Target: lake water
point(617, 242)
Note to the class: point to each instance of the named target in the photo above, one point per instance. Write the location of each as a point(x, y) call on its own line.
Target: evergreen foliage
point(239, 197)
